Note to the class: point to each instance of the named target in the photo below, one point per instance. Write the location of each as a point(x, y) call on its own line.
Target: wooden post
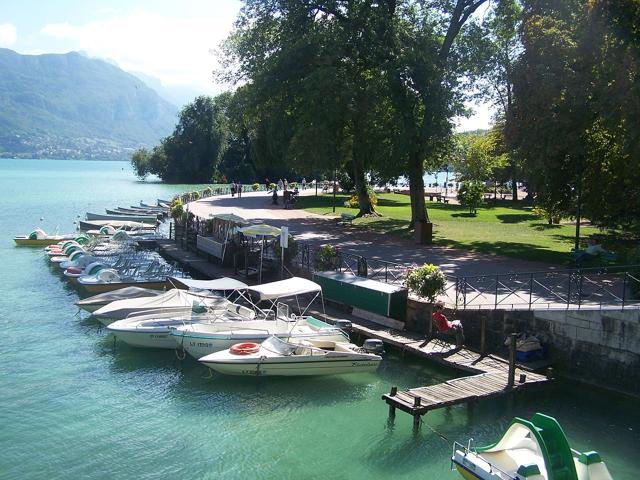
point(417, 401)
point(512, 360)
point(483, 336)
point(392, 409)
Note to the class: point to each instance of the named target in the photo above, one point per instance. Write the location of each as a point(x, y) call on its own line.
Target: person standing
point(239, 190)
point(304, 183)
point(286, 185)
point(232, 187)
point(280, 184)
point(266, 184)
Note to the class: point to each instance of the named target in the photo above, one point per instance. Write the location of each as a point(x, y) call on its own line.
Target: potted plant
point(326, 258)
point(255, 187)
point(426, 281)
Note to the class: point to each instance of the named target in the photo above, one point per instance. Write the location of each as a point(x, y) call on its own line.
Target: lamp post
point(578, 210)
point(334, 187)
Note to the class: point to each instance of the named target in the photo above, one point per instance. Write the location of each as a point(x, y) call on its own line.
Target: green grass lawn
point(502, 229)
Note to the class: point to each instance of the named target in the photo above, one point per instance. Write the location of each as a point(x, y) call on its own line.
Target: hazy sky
point(174, 41)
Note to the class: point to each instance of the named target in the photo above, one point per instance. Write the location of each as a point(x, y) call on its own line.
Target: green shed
point(377, 297)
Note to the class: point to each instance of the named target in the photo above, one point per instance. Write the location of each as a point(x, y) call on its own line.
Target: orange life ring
point(245, 348)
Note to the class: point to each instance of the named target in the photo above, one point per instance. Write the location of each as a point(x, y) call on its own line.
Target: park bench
point(605, 258)
point(347, 218)
point(431, 196)
point(443, 199)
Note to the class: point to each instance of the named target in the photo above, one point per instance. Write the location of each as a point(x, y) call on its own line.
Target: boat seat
point(509, 460)
point(241, 310)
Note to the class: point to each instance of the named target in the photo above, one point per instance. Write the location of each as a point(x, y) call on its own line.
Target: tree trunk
point(416, 190)
point(366, 208)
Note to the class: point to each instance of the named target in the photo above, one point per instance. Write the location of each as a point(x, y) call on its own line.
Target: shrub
point(326, 258)
point(255, 187)
point(354, 203)
point(426, 281)
point(207, 191)
point(552, 212)
point(177, 210)
point(272, 186)
point(195, 195)
point(471, 195)
point(289, 253)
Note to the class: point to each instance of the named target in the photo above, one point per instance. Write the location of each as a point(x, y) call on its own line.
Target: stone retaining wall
point(595, 346)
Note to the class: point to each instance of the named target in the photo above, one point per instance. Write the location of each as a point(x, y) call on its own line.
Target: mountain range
point(72, 106)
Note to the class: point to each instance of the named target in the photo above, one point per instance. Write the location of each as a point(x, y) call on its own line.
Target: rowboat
point(118, 224)
point(39, 238)
point(533, 450)
point(278, 357)
point(150, 219)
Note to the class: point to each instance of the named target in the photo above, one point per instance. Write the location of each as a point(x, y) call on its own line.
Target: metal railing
point(600, 287)
point(372, 268)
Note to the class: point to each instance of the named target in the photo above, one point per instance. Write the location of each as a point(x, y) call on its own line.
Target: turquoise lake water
point(72, 406)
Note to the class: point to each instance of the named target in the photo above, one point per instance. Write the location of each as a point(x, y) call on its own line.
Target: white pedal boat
point(277, 357)
point(529, 450)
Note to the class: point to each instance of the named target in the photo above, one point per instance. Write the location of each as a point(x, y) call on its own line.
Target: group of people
point(283, 184)
point(236, 188)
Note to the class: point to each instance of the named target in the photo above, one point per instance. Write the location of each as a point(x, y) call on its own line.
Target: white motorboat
point(91, 304)
point(154, 330)
point(277, 357)
point(199, 339)
point(173, 301)
point(202, 339)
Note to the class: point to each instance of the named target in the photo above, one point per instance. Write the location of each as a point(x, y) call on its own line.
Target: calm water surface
point(72, 406)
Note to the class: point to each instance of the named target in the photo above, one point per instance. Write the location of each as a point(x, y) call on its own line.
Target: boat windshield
point(274, 344)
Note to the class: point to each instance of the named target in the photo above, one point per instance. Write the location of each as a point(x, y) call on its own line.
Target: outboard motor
point(345, 325)
point(373, 345)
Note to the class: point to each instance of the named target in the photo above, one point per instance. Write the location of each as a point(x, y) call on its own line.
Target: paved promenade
point(320, 229)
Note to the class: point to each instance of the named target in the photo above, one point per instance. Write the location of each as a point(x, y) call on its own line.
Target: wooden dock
point(191, 260)
point(491, 375)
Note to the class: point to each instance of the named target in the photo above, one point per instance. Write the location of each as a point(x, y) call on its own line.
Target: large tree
point(576, 108)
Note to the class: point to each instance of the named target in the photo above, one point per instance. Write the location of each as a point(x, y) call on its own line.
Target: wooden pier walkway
point(191, 260)
point(491, 375)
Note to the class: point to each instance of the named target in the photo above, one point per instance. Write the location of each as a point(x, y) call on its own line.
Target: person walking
point(239, 190)
point(304, 183)
point(286, 185)
point(266, 184)
point(232, 187)
point(280, 184)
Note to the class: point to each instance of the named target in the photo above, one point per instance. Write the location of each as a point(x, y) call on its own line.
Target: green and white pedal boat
point(529, 450)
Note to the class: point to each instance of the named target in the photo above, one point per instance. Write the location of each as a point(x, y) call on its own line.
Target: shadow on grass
point(524, 251)
point(542, 227)
point(515, 217)
point(388, 225)
point(465, 215)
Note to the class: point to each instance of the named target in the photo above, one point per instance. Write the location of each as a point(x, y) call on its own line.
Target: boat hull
point(96, 288)
point(38, 242)
point(292, 367)
point(148, 339)
point(125, 218)
point(199, 346)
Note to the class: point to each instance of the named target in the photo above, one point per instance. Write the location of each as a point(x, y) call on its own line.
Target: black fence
point(617, 287)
